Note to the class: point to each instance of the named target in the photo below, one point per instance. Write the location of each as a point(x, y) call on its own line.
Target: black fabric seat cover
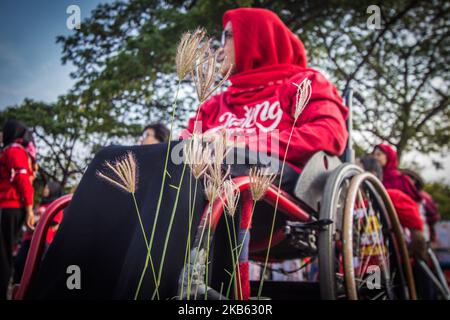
point(101, 234)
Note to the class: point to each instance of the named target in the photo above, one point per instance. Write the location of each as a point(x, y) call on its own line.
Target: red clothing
point(393, 178)
point(261, 99)
point(407, 210)
point(51, 232)
point(16, 174)
point(431, 208)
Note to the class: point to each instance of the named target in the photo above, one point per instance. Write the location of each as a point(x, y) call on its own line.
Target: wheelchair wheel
point(430, 279)
point(375, 257)
point(331, 276)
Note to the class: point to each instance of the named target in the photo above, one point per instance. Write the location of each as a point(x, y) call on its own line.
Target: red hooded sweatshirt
point(393, 178)
point(16, 175)
point(261, 98)
point(407, 210)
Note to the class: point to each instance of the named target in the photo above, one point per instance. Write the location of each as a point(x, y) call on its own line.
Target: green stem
point(208, 244)
point(207, 256)
point(241, 246)
point(275, 212)
point(236, 243)
point(198, 251)
point(139, 218)
point(188, 240)
point(221, 289)
point(199, 243)
point(232, 253)
point(145, 238)
point(187, 254)
point(166, 241)
point(161, 192)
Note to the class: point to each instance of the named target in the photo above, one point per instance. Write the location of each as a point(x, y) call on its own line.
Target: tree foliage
point(124, 69)
point(67, 135)
point(441, 194)
point(401, 69)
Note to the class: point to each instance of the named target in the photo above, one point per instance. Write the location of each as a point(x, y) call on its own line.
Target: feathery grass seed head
point(123, 173)
point(260, 181)
point(230, 198)
point(302, 96)
point(191, 48)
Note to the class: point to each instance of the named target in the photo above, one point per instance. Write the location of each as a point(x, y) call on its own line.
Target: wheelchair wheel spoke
point(371, 248)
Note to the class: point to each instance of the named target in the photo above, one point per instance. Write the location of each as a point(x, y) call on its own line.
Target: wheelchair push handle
point(349, 153)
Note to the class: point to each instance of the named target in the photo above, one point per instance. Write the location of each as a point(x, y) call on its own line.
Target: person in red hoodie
point(392, 177)
point(266, 60)
point(407, 210)
point(16, 193)
point(428, 207)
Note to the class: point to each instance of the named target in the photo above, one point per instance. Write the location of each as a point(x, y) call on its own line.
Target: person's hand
point(418, 245)
point(29, 219)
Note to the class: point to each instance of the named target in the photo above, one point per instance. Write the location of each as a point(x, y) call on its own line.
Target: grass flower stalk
point(303, 96)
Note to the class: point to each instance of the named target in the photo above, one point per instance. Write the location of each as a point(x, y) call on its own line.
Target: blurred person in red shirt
point(17, 173)
point(428, 206)
point(407, 209)
point(393, 178)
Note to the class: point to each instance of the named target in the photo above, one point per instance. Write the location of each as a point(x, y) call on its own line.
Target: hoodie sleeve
point(407, 210)
point(17, 163)
point(320, 127)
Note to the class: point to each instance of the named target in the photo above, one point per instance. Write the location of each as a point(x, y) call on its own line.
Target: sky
point(30, 64)
point(30, 59)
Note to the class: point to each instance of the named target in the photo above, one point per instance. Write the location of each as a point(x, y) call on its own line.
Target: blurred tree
point(124, 58)
point(401, 69)
point(124, 70)
point(67, 135)
point(441, 194)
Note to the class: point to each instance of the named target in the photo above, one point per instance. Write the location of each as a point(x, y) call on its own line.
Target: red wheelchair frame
point(212, 213)
point(37, 246)
point(286, 204)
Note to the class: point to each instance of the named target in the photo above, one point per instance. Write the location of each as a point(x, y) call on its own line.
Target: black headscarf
point(55, 192)
point(13, 130)
point(371, 164)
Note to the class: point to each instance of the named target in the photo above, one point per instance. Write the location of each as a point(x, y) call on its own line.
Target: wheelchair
point(339, 218)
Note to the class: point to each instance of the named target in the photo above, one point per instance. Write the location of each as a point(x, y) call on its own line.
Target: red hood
point(265, 49)
point(391, 155)
point(261, 39)
point(393, 178)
